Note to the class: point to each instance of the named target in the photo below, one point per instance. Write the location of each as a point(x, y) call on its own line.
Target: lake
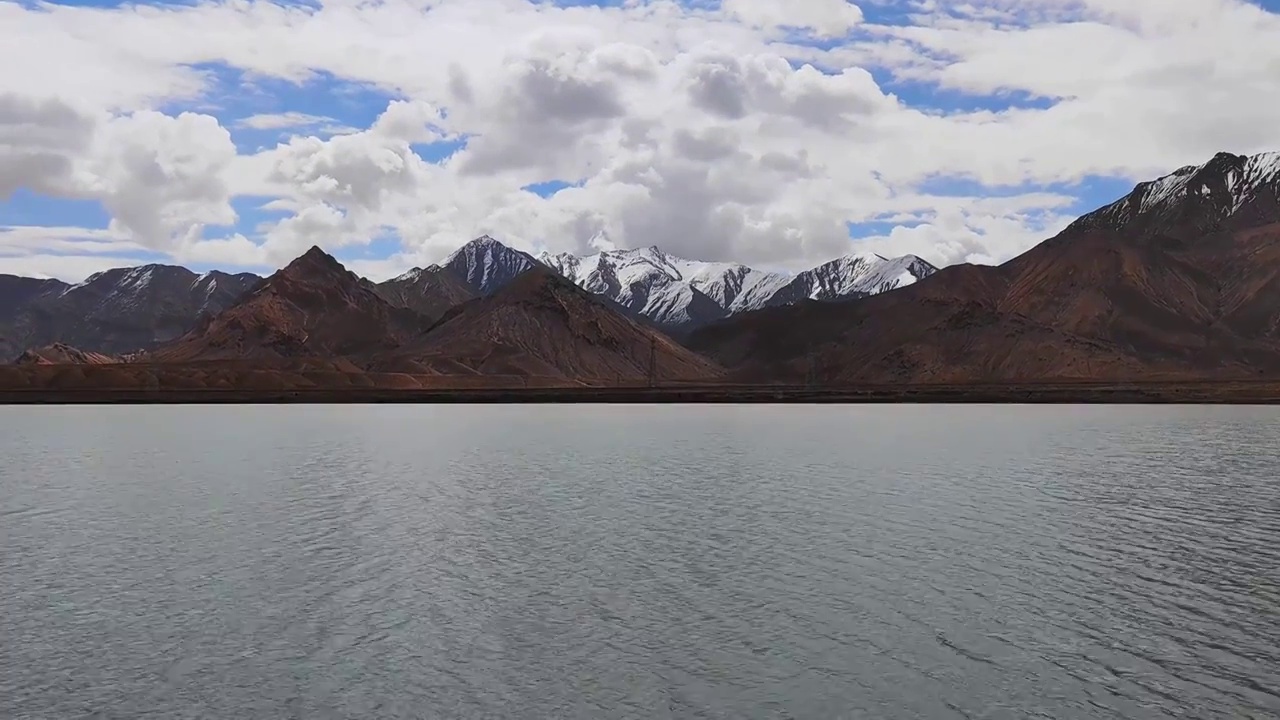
point(889, 561)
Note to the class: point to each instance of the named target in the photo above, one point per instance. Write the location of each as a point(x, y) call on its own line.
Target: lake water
point(646, 562)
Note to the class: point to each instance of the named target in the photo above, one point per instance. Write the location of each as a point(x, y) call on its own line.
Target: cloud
point(40, 140)
point(280, 121)
point(68, 253)
point(824, 18)
point(729, 130)
point(161, 177)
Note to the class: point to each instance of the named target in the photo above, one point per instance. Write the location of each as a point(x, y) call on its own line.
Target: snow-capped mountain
point(740, 288)
point(487, 265)
point(853, 276)
point(674, 291)
point(1226, 192)
point(668, 290)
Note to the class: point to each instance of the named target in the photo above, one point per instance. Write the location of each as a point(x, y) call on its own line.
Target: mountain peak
point(313, 261)
point(853, 275)
point(409, 275)
point(1227, 192)
point(486, 264)
point(485, 241)
point(482, 244)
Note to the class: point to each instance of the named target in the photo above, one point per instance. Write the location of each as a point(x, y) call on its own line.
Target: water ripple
point(640, 562)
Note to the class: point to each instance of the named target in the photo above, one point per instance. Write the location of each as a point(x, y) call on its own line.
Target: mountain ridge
point(126, 310)
point(678, 293)
point(1166, 283)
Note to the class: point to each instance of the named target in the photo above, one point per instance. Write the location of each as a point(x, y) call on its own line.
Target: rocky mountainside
point(112, 312)
point(1180, 278)
point(314, 307)
point(486, 265)
point(543, 326)
point(429, 291)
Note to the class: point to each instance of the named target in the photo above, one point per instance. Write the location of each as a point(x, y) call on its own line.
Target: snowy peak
point(564, 263)
point(487, 265)
point(673, 291)
point(857, 275)
point(1227, 192)
point(664, 288)
point(737, 288)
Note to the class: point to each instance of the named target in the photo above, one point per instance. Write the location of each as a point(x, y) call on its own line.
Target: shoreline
point(1198, 393)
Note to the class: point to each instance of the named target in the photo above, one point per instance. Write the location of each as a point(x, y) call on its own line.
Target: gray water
point(647, 562)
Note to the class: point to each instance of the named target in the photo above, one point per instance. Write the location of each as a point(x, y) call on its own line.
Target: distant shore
point(1206, 392)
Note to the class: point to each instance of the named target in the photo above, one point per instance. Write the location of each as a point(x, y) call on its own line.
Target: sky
point(236, 134)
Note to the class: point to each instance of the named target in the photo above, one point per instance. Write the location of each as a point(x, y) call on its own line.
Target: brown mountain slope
point(542, 325)
point(916, 334)
point(1181, 278)
point(429, 291)
point(314, 307)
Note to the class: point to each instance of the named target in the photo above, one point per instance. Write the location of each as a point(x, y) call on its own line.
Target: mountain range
point(112, 312)
point(128, 310)
point(1179, 279)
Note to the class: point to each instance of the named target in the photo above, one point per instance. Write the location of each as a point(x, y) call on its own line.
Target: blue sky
point(338, 106)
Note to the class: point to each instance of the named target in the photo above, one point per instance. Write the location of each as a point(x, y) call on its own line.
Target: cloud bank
point(236, 134)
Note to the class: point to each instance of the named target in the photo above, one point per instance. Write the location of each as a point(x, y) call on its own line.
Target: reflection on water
point(607, 562)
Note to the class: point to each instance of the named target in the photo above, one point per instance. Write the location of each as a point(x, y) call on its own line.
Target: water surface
point(647, 562)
